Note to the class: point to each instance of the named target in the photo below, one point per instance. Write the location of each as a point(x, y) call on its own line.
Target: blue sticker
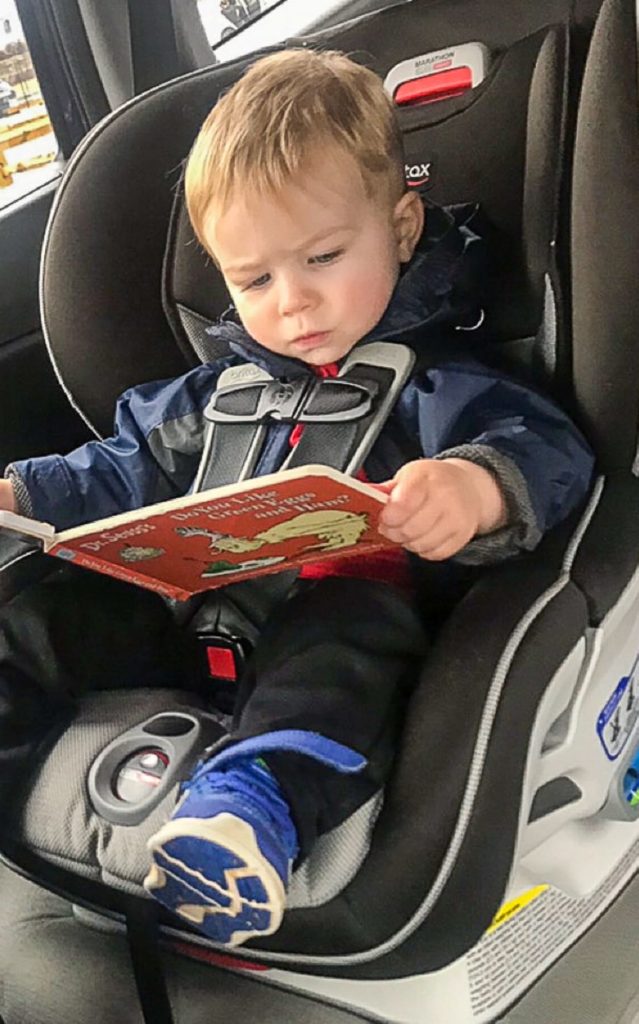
point(617, 719)
point(66, 553)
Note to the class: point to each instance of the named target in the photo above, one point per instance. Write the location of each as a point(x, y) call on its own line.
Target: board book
point(213, 538)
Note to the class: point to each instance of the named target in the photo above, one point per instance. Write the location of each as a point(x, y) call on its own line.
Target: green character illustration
point(332, 529)
point(131, 553)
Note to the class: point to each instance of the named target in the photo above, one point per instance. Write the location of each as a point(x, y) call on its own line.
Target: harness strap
point(231, 454)
point(231, 449)
point(146, 960)
point(342, 415)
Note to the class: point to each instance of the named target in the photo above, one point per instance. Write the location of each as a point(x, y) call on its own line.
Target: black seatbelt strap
point(231, 456)
point(154, 52)
point(148, 969)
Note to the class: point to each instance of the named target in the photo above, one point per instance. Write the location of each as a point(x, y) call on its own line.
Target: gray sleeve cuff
point(521, 532)
point(23, 501)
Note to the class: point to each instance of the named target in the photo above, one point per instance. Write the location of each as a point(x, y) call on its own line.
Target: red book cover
point(208, 540)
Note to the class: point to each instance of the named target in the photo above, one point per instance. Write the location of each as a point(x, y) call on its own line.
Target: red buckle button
point(441, 86)
point(221, 662)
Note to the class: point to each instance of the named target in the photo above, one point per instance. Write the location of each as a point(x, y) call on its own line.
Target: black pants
point(336, 657)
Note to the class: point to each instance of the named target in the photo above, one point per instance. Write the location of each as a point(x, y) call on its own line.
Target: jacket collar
point(437, 289)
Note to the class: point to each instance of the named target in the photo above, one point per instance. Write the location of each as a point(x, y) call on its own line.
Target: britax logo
point(417, 174)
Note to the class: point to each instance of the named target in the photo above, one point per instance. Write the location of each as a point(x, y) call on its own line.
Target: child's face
point(311, 269)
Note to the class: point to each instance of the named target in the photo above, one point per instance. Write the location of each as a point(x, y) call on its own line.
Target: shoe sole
point(213, 905)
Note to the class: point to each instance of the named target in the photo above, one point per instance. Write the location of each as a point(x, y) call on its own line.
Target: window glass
point(221, 18)
point(236, 27)
point(28, 147)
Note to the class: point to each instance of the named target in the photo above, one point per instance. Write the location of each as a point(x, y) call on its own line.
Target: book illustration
point(131, 553)
point(221, 567)
point(333, 529)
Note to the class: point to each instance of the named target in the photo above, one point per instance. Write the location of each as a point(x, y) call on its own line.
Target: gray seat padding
point(58, 823)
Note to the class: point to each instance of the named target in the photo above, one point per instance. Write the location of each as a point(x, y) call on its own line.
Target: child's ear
point(408, 221)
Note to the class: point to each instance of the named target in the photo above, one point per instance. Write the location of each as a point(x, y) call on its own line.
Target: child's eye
point(326, 257)
point(259, 282)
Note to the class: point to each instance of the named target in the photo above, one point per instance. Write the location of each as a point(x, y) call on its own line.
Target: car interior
point(524, 722)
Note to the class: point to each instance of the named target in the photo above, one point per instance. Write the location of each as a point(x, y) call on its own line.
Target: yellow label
point(508, 910)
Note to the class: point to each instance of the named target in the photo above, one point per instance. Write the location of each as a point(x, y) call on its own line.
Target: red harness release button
point(441, 86)
point(221, 662)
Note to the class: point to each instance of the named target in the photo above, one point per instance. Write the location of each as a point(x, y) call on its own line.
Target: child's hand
point(7, 497)
point(436, 507)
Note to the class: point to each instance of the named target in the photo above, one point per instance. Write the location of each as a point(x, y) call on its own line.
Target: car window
point(28, 146)
point(222, 18)
point(235, 27)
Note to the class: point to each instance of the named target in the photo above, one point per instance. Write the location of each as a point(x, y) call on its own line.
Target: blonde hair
point(259, 135)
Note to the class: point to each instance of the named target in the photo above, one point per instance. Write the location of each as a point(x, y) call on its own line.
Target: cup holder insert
point(170, 725)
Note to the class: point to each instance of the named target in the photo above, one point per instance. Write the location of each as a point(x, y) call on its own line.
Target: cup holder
point(170, 724)
point(138, 768)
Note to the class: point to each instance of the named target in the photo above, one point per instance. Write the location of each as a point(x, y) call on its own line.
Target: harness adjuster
point(303, 400)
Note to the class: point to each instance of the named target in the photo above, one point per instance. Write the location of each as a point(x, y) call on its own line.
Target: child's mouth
point(309, 341)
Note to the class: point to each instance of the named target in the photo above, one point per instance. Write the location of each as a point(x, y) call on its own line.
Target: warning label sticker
point(618, 717)
point(508, 910)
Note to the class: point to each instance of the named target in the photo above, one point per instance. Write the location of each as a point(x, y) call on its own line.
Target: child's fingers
point(428, 541)
point(417, 528)
point(407, 498)
point(440, 552)
point(386, 486)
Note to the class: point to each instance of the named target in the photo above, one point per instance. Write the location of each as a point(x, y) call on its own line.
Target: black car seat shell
point(94, 288)
point(480, 714)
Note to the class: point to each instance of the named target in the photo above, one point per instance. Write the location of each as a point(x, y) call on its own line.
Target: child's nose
point(294, 295)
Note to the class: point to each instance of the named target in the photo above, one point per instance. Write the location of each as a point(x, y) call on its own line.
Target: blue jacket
point(452, 407)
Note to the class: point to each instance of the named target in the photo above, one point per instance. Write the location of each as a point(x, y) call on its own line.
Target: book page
point(29, 527)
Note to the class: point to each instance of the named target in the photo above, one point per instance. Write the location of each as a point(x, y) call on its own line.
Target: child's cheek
point(252, 317)
point(365, 296)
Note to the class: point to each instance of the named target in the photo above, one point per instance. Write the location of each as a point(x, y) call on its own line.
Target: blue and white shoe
point(223, 861)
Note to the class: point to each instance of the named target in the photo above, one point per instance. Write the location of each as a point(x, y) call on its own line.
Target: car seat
point(522, 723)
